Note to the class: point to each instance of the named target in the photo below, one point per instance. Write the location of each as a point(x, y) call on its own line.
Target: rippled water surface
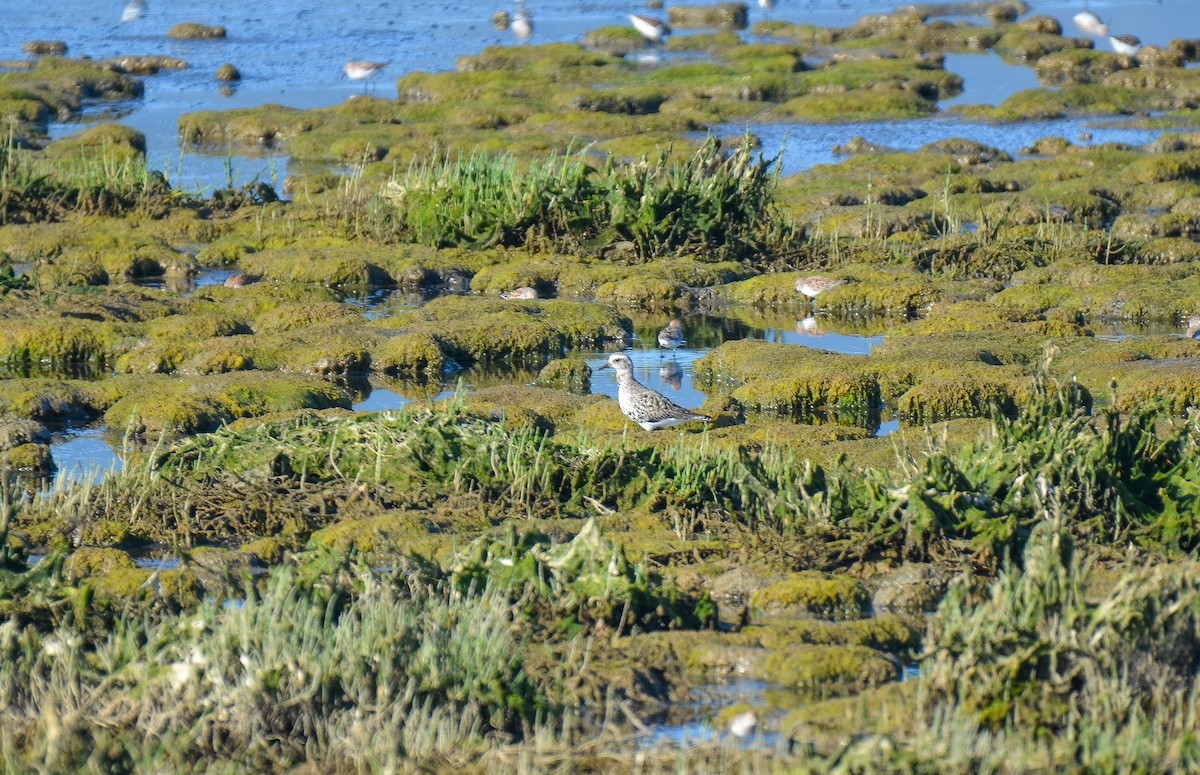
point(291, 52)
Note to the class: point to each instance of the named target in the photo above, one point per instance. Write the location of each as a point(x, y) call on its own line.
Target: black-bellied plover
point(648, 408)
point(653, 30)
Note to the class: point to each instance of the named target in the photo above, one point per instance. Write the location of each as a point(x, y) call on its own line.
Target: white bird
point(522, 25)
point(653, 30)
point(134, 10)
point(1090, 24)
point(742, 725)
point(648, 408)
point(1193, 327)
point(359, 70)
point(1125, 44)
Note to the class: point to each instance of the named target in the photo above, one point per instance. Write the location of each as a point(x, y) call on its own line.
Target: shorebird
point(522, 25)
point(816, 284)
point(134, 10)
point(524, 292)
point(742, 725)
point(648, 408)
point(1125, 44)
point(361, 71)
point(653, 30)
point(239, 280)
point(1090, 24)
point(671, 336)
point(1193, 327)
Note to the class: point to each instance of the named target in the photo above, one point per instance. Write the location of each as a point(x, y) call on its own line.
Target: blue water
point(83, 455)
point(291, 52)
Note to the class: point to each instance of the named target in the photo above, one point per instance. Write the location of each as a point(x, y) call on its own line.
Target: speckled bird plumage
point(648, 408)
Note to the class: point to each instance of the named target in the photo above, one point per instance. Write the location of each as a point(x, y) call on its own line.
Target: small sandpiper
point(648, 408)
point(1090, 24)
point(742, 725)
point(240, 280)
point(671, 337)
point(653, 30)
point(522, 25)
point(361, 71)
point(816, 284)
point(1125, 44)
point(524, 292)
point(134, 10)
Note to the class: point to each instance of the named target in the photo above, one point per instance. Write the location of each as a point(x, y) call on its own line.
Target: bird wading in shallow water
point(671, 336)
point(360, 70)
point(1090, 24)
point(648, 408)
point(522, 25)
point(742, 725)
point(1125, 44)
point(816, 284)
point(653, 30)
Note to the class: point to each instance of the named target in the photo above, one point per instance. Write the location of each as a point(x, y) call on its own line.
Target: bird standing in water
point(648, 408)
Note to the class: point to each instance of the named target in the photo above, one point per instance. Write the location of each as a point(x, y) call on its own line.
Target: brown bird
point(524, 292)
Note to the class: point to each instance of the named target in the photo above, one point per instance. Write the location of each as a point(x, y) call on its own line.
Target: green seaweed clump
point(812, 593)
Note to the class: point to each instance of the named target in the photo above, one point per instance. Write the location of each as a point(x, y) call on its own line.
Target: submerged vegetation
point(515, 578)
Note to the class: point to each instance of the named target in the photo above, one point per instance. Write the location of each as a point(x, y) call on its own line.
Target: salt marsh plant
point(1038, 673)
point(96, 180)
point(1126, 478)
point(328, 663)
point(1123, 478)
point(714, 204)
